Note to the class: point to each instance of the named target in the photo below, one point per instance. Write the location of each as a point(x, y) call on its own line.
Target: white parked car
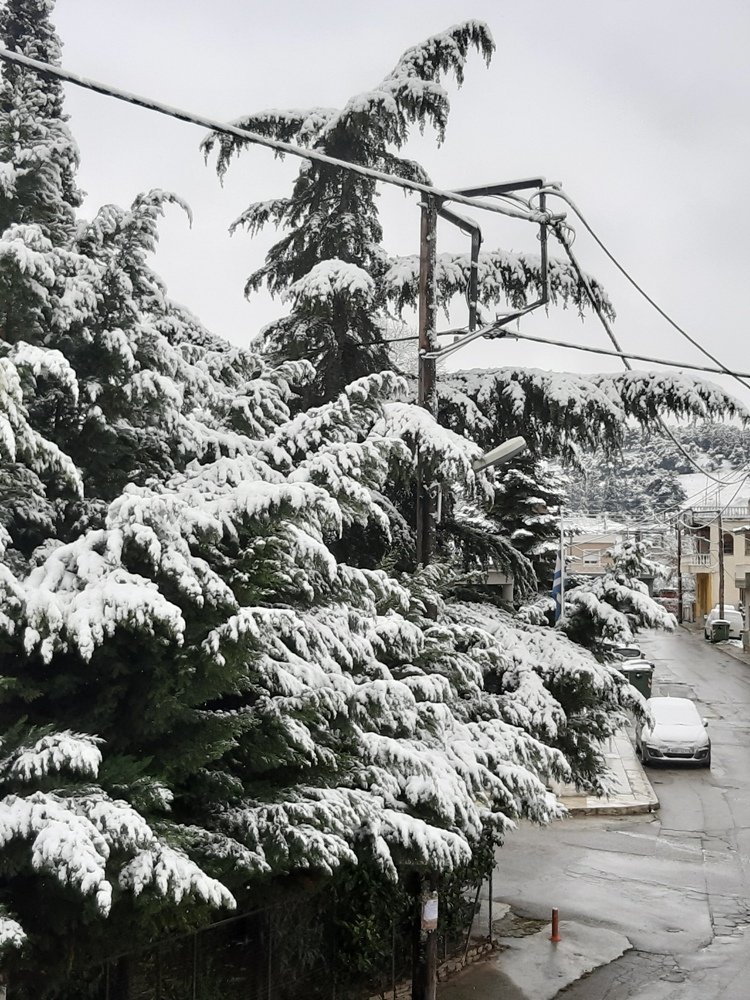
point(736, 623)
point(678, 734)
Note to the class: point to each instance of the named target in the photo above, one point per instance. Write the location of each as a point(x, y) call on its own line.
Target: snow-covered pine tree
point(287, 711)
point(614, 606)
point(118, 382)
point(205, 691)
point(265, 707)
point(561, 416)
point(527, 506)
point(38, 155)
point(330, 261)
point(343, 285)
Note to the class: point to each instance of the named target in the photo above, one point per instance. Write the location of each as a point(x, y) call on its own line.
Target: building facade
point(713, 541)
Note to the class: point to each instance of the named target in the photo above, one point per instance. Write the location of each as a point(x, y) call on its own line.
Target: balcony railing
point(697, 559)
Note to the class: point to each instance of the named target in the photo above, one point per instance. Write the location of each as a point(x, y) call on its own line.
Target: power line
point(719, 510)
point(619, 354)
point(567, 246)
point(682, 505)
point(557, 229)
point(570, 347)
point(47, 69)
point(569, 201)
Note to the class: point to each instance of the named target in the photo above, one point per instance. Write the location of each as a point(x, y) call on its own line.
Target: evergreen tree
point(38, 156)
point(197, 693)
point(205, 685)
point(614, 606)
point(342, 285)
point(527, 506)
point(331, 262)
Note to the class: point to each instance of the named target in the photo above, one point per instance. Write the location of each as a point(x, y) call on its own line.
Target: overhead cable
point(315, 156)
point(682, 505)
point(558, 193)
point(562, 237)
point(719, 509)
point(618, 354)
point(529, 214)
point(515, 335)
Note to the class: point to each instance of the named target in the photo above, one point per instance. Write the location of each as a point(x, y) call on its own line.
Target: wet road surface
point(676, 882)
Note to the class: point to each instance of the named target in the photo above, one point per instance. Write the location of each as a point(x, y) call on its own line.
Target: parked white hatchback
point(678, 734)
point(734, 618)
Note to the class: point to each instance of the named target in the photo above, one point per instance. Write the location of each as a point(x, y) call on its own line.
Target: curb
point(614, 809)
point(642, 798)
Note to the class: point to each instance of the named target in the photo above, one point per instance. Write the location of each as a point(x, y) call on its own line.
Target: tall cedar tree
point(197, 695)
point(344, 287)
point(331, 219)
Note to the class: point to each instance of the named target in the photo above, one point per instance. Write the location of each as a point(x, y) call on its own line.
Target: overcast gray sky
point(640, 108)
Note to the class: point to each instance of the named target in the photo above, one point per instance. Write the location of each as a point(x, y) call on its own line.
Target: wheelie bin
point(640, 675)
point(719, 630)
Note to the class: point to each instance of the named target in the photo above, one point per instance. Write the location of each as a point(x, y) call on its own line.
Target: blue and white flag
point(557, 586)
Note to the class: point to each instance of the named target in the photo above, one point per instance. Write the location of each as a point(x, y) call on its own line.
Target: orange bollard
point(555, 926)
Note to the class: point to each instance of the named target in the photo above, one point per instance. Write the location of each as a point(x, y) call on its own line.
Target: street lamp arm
point(503, 453)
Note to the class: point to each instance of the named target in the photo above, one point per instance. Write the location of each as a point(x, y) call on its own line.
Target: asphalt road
point(676, 882)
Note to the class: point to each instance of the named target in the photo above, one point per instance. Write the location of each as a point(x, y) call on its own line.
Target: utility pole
point(425, 912)
point(562, 564)
point(424, 933)
point(426, 372)
point(721, 568)
point(429, 350)
point(679, 574)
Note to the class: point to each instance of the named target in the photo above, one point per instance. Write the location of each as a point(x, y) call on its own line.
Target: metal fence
point(300, 950)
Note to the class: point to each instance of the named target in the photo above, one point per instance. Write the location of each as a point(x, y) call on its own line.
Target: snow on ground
point(702, 491)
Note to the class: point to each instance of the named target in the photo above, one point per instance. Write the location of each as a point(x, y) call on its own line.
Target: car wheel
point(707, 761)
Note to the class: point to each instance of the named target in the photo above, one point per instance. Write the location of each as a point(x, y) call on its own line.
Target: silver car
point(678, 734)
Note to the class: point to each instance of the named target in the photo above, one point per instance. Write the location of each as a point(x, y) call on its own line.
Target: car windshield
point(674, 712)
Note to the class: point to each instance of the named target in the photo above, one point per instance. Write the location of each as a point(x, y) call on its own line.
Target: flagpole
point(562, 565)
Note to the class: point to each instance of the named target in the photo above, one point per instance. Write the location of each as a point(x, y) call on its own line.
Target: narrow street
point(676, 882)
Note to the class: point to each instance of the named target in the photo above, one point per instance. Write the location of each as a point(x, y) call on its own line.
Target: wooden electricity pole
point(425, 906)
point(424, 933)
point(426, 373)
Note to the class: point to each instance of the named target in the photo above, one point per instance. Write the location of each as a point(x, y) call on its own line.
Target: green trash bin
point(719, 630)
point(640, 675)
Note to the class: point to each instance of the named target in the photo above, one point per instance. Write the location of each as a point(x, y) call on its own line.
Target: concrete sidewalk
point(531, 967)
point(631, 790)
point(525, 964)
point(736, 651)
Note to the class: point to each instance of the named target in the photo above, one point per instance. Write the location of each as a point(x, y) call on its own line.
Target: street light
point(503, 453)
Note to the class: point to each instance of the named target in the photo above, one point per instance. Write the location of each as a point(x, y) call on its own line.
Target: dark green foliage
point(331, 215)
point(41, 188)
point(616, 605)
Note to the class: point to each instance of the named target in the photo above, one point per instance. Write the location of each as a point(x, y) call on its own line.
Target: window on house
point(728, 544)
point(592, 557)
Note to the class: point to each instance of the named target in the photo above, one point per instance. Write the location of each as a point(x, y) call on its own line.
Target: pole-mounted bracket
point(473, 229)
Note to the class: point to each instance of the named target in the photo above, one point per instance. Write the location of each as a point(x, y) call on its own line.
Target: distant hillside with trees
point(644, 478)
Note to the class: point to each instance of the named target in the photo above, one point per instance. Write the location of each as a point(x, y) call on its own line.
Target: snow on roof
point(589, 524)
point(703, 491)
